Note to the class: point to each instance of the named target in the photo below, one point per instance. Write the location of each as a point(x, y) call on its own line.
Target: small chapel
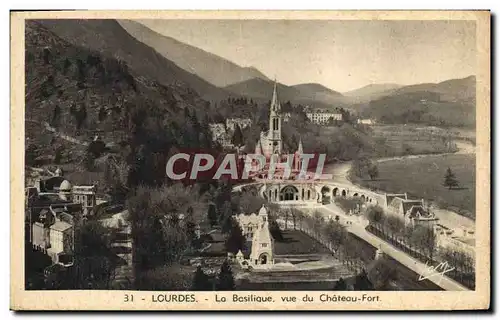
point(262, 241)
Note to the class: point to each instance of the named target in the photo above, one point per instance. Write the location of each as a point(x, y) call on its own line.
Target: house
point(241, 122)
point(368, 122)
point(411, 211)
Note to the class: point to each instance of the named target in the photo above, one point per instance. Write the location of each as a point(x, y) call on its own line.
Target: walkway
point(357, 228)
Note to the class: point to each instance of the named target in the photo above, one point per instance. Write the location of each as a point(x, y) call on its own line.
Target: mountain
point(371, 92)
point(309, 94)
point(80, 91)
point(212, 68)
point(110, 39)
point(449, 90)
point(447, 103)
point(317, 92)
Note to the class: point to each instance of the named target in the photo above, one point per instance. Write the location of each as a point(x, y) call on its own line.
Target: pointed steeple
point(275, 105)
point(300, 150)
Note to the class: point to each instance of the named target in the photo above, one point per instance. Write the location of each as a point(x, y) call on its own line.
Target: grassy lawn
point(414, 139)
point(297, 242)
point(423, 178)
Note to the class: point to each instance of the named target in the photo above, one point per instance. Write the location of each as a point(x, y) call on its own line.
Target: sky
point(341, 55)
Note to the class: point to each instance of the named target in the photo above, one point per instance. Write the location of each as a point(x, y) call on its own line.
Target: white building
point(368, 122)
point(323, 116)
point(242, 122)
point(219, 134)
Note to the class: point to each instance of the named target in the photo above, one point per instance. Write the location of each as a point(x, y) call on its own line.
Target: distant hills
point(371, 92)
point(308, 94)
point(214, 69)
point(207, 76)
point(447, 103)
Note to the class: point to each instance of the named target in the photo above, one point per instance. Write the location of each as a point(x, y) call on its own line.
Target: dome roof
point(65, 186)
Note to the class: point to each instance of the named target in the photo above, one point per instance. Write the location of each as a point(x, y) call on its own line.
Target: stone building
point(411, 211)
point(256, 228)
point(241, 122)
point(323, 116)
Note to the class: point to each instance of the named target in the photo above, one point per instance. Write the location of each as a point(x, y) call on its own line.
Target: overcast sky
point(342, 55)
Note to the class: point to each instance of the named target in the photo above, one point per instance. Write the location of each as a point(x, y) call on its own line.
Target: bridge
point(303, 192)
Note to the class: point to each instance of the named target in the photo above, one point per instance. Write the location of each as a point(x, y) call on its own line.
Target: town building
point(368, 122)
point(219, 134)
point(53, 209)
point(323, 116)
point(411, 211)
point(243, 123)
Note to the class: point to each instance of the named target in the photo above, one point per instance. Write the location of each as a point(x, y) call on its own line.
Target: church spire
point(300, 150)
point(275, 105)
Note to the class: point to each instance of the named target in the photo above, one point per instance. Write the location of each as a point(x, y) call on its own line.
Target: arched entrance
point(344, 194)
point(263, 258)
point(363, 197)
point(335, 191)
point(325, 194)
point(289, 193)
point(355, 195)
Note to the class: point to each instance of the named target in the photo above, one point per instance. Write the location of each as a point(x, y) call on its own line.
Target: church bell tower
point(275, 124)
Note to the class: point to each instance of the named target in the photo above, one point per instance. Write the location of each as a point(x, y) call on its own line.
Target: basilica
point(270, 142)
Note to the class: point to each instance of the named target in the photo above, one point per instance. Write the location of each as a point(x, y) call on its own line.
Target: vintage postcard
point(250, 160)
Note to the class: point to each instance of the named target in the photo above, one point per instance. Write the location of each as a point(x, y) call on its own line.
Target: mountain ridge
point(217, 70)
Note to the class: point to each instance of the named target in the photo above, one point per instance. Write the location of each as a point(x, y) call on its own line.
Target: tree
point(450, 180)
point(362, 283)
point(56, 116)
point(374, 214)
point(340, 285)
point(212, 215)
point(200, 281)
point(373, 171)
point(102, 114)
point(382, 273)
point(361, 166)
point(237, 138)
point(226, 216)
point(58, 154)
point(235, 241)
point(225, 281)
point(30, 154)
point(424, 238)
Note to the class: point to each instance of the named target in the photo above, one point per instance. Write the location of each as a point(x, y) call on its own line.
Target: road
point(356, 225)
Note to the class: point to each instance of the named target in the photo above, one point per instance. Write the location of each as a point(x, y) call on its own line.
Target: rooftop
point(60, 226)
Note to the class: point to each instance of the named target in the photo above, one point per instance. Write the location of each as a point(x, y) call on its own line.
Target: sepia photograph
point(251, 157)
